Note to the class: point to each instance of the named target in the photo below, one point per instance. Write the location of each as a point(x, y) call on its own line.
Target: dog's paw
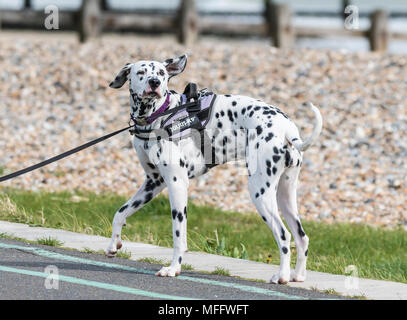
point(168, 272)
point(279, 278)
point(111, 251)
point(297, 276)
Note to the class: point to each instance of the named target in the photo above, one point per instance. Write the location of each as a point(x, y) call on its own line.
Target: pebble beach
point(54, 96)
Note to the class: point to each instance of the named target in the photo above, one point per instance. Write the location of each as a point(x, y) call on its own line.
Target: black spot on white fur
point(136, 204)
point(300, 229)
point(123, 208)
point(180, 217)
point(282, 234)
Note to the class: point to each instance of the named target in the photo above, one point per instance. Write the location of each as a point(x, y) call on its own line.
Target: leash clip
point(131, 131)
point(134, 130)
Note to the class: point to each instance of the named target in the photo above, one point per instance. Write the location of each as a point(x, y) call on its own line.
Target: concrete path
point(32, 271)
point(371, 289)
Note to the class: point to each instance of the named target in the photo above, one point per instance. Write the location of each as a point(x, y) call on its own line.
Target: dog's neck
point(143, 108)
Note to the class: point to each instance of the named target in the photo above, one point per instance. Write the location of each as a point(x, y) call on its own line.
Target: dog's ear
point(175, 66)
point(121, 77)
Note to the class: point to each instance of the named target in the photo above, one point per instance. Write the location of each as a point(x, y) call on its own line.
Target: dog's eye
point(140, 73)
point(161, 72)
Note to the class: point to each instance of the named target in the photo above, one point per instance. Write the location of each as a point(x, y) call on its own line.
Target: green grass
point(4, 235)
point(331, 291)
point(124, 254)
point(221, 271)
point(185, 266)
point(377, 253)
point(334, 292)
point(49, 241)
point(359, 297)
point(155, 261)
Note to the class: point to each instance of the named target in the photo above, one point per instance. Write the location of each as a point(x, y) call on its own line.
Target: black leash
point(86, 145)
point(63, 155)
point(193, 107)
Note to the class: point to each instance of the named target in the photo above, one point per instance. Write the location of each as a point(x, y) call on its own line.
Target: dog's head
point(148, 80)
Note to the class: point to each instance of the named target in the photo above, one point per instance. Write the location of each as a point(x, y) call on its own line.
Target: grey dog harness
point(193, 113)
point(186, 120)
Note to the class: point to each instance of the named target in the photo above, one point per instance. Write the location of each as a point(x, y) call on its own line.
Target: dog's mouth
point(152, 92)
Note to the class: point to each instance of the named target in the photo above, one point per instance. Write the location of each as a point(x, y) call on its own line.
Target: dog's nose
point(154, 83)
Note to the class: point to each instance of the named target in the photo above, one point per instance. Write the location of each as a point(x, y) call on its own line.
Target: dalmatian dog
point(240, 128)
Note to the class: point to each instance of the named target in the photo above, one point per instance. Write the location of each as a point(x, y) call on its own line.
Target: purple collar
point(164, 107)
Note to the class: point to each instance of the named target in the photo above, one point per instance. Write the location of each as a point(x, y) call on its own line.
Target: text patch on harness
point(183, 124)
point(195, 115)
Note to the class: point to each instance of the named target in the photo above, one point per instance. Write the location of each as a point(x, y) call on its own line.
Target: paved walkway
point(371, 289)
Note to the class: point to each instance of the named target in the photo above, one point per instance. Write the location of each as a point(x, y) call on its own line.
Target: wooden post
point(90, 19)
point(187, 22)
point(378, 33)
point(279, 19)
point(104, 5)
point(27, 4)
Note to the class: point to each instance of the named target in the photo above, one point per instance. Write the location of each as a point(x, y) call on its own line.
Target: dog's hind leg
point(263, 181)
point(150, 188)
point(287, 202)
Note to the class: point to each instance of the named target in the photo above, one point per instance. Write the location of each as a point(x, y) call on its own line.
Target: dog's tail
point(302, 146)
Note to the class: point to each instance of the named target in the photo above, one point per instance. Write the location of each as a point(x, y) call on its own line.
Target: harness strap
point(188, 106)
point(158, 113)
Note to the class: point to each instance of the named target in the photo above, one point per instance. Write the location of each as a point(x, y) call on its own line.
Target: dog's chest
point(184, 154)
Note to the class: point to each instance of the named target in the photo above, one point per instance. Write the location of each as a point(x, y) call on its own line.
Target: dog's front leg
point(150, 188)
point(177, 184)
